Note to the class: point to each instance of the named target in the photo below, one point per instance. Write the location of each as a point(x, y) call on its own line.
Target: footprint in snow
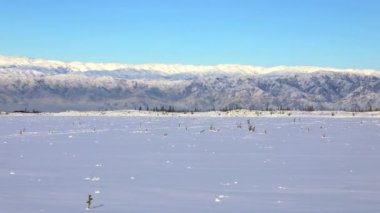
point(226, 184)
point(92, 179)
point(219, 198)
point(168, 162)
point(282, 188)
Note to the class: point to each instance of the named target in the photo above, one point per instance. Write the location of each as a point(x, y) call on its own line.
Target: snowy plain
point(297, 163)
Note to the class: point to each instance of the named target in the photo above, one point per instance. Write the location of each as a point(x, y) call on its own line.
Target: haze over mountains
point(47, 85)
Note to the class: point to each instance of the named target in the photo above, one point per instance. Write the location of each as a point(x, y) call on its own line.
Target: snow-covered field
point(177, 164)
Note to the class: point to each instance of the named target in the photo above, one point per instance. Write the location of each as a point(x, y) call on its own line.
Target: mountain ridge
point(169, 69)
point(35, 85)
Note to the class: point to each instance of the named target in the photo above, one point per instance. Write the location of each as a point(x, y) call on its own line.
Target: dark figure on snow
point(89, 201)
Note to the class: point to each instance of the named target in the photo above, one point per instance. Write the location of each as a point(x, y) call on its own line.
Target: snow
point(174, 69)
point(232, 113)
point(128, 165)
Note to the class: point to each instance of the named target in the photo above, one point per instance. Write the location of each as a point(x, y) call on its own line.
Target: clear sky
point(338, 33)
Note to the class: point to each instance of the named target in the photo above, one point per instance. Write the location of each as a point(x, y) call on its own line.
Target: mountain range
point(47, 85)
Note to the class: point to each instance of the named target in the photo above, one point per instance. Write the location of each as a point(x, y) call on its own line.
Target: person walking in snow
point(89, 201)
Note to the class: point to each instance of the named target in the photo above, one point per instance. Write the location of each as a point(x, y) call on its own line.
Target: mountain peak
point(168, 70)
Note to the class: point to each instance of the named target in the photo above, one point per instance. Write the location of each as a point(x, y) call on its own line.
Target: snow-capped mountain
point(48, 85)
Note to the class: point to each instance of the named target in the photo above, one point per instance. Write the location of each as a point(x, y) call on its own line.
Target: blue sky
point(338, 33)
